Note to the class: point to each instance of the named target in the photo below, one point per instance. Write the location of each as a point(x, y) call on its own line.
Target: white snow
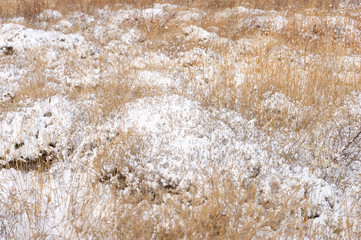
point(50, 15)
point(46, 126)
point(154, 78)
point(198, 34)
point(167, 139)
point(26, 39)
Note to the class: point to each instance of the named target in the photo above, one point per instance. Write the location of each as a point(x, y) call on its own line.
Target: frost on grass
point(25, 39)
point(179, 126)
point(182, 139)
point(49, 15)
point(46, 129)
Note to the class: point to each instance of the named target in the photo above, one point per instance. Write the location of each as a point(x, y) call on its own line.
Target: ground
point(176, 121)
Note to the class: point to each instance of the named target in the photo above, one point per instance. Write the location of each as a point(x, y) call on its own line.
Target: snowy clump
point(10, 77)
point(23, 39)
point(151, 13)
point(278, 23)
point(243, 10)
point(244, 46)
point(278, 102)
point(47, 126)
point(49, 15)
point(115, 33)
point(353, 103)
point(131, 37)
point(197, 56)
point(166, 6)
point(323, 200)
point(189, 16)
point(150, 58)
point(117, 17)
point(63, 25)
point(198, 34)
point(265, 23)
point(182, 140)
point(154, 78)
point(82, 20)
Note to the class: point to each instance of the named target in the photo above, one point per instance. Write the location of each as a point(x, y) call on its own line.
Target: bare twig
point(359, 133)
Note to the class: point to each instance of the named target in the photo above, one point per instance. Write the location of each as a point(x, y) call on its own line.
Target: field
point(125, 119)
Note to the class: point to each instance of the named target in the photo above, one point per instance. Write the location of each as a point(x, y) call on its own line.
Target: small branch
point(349, 143)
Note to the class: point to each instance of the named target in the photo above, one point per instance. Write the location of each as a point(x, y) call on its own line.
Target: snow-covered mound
point(23, 39)
point(156, 106)
point(182, 140)
point(47, 127)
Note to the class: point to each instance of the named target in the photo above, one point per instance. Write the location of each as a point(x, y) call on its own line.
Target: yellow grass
point(219, 214)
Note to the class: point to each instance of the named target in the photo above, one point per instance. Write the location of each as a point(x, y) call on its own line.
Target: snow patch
point(50, 15)
point(23, 39)
point(47, 126)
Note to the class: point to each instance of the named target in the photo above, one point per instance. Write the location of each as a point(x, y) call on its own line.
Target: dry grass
point(31, 8)
point(230, 210)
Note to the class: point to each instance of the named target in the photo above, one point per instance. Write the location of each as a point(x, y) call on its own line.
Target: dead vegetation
point(230, 210)
point(31, 8)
